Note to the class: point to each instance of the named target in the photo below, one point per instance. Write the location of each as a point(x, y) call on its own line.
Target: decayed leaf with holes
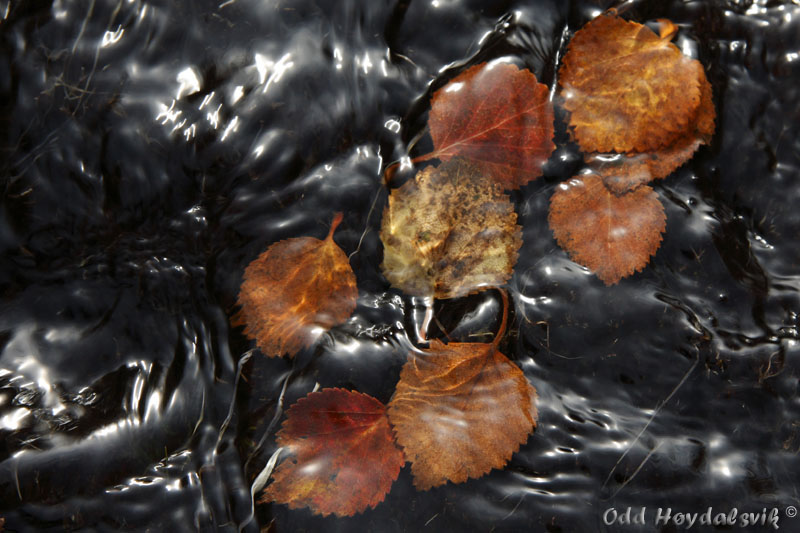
point(294, 292)
point(342, 457)
point(449, 232)
point(614, 236)
point(625, 172)
point(627, 89)
point(459, 411)
point(497, 116)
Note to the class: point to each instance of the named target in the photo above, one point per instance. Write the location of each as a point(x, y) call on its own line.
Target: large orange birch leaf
point(497, 116)
point(342, 455)
point(294, 292)
point(614, 236)
point(449, 232)
point(627, 89)
point(459, 411)
point(624, 172)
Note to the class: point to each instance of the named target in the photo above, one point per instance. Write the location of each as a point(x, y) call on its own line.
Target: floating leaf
point(449, 232)
point(460, 410)
point(497, 116)
point(624, 172)
point(627, 89)
point(295, 291)
point(612, 235)
point(343, 458)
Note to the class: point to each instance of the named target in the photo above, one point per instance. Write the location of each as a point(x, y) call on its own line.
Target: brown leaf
point(343, 458)
point(497, 116)
point(624, 172)
point(449, 232)
point(294, 292)
point(614, 236)
point(706, 115)
point(460, 410)
point(627, 89)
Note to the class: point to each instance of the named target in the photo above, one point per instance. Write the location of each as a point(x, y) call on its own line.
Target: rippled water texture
point(149, 150)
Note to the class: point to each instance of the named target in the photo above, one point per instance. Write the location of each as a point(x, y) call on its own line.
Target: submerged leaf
point(459, 411)
point(627, 89)
point(449, 232)
point(295, 291)
point(497, 116)
point(343, 458)
point(624, 172)
point(614, 236)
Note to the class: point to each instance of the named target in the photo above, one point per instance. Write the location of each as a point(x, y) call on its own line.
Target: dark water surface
point(149, 150)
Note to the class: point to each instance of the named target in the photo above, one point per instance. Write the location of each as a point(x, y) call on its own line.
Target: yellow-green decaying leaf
point(449, 232)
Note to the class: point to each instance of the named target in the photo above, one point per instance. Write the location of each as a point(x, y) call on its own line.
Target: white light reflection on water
point(112, 429)
point(724, 465)
point(270, 72)
point(189, 82)
point(232, 126)
point(238, 92)
point(454, 87)
point(392, 125)
point(168, 114)
point(112, 37)
point(13, 420)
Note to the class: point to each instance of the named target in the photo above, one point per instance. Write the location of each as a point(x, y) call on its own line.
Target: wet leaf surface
point(614, 236)
point(342, 455)
point(624, 172)
point(497, 116)
point(295, 291)
point(449, 232)
point(627, 89)
point(460, 410)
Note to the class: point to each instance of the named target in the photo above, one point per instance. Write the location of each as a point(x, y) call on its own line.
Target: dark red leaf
point(343, 458)
point(498, 117)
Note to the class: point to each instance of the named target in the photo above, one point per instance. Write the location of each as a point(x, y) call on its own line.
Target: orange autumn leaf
point(497, 116)
point(342, 455)
point(614, 236)
point(624, 172)
point(627, 89)
point(666, 29)
point(294, 292)
point(449, 232)
point(460, 410)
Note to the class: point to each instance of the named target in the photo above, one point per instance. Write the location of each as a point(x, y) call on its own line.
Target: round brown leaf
point(497, 116)
point(343, 458)
point(625, 172)
point(459, 411)
point(627, 89)
point(612, 235)
point(449, 232)
point(294, 292)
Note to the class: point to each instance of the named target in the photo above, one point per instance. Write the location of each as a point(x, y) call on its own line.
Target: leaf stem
point(337, 219)
point(388, 174)
point(504, 321)
point(390, 171)
point(425, 157)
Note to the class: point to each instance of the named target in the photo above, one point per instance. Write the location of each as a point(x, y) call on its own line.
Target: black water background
point(130, 208)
